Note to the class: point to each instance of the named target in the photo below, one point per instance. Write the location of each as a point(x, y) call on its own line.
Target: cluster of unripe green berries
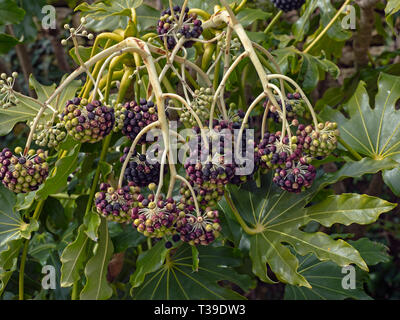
point(87, 122)
point(22, 174)
point(49, 135)
point(201, 105)
point(7, 93)
point(77, 32)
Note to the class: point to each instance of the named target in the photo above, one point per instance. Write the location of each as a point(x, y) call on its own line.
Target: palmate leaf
point(373, 132)
point(326, 277)
point(277, 216)
point(11, 224)
point(176, 280)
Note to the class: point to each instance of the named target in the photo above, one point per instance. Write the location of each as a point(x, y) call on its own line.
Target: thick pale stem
point(161, 180)
point(264, 119)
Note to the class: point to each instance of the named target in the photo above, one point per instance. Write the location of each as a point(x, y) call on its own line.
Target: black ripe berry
point(288, 5)
point(133, 117)
point(168, 244)
point(87, 122)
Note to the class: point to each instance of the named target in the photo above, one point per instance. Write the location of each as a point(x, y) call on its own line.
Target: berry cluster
point(169, 30)
point(288, 5)
point(274, 153)
point(49, 135)
point(321, 142)
point(154, 219)
point(133, 117)
point(140, 171)
point(297, 175)
point(202, 229)
point(23, 174)
point(87, 122)
point(295, 107)
point(201, 105)
point(205, 198)
point(115, 204)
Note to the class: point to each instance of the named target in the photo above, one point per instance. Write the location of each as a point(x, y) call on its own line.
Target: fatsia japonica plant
point(163, 182)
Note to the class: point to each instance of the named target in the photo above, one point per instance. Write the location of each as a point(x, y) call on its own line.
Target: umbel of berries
point(295, 107)
point(49, 135)
point(87, 122)
point(274, 153)
point(198, 229)
point(205, 198)
point(167, 27)
point(23, 174)
point(296, 176)
point(154, 218)
point(201, 105)
point(134, 117)
point(324, 140)
point(115, 204)
point(140, 171)
point(288, 5)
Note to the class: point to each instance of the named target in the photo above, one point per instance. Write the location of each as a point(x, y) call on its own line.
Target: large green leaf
point(11, 224)
point(26, 109)
point(73, 258)
point(63, 168)
point(175, 279)
point(8, 262)
point(392, 7)
point(108, 15)
point(97, 287)
point(326, 277)
point(310, 69)
point(247, 16)
point(326, 13)
point(277, 217)
point(373, 132)
point(10, 12)
point(7, 42)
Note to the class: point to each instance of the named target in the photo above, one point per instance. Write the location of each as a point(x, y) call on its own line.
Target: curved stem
point(327, 26)
point(222, 85)
point(132, 149)
point(264, 119)
point(22, 270)
point(239, 219)
point(273, 21)
point(304, 97)
point(161, 180)
point(196, 204)
point(285, 124)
